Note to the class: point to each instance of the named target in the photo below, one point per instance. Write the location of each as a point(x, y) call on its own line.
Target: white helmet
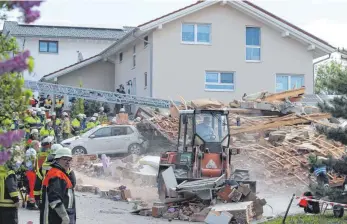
point(80, 115)
point(63, 152)
point(33, 113)
point(48, 139)
point(95, 115)
point(38, 110)
point(122, 110)
point(43, 109)
point(101, 108)
point(65, 114)
point(48, 120)
point(56, 147)
point(93, 118)
point(34, 131)
point(53, 114)
point(84, 116)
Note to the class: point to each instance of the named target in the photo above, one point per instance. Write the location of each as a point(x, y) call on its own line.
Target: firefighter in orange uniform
point(58, 198)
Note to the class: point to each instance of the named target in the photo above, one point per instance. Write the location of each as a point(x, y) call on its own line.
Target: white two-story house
point(55, 47)
point(210, 49)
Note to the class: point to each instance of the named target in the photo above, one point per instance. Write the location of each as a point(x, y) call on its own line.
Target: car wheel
point(79, 150)
point(135, 149)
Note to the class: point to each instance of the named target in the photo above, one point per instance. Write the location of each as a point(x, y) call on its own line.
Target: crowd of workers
point(45, 171)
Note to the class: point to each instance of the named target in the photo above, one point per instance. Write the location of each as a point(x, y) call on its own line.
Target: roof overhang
point(313, 43)
point(71, 68)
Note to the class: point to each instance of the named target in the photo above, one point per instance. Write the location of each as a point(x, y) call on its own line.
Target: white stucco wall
point(98, 75)
point(46, 63)
point(124, 71)
point(179, 69)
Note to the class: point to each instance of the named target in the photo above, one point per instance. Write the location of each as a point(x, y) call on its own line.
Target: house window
point(196, 33)
point(252, 44)
point(121, 57)
point(134, 56)
point(145, 41)
point(288, 82)
point(145, 79)
point(219, 81)
point(48, 46)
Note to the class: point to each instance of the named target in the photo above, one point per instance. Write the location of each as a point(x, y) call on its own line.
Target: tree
point(332, 79)
point(13, 96)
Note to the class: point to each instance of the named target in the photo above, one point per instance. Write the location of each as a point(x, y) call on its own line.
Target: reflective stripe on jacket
point(8, 188)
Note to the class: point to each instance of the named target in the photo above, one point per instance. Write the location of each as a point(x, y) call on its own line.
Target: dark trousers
point(8, 215)
point(65, 136)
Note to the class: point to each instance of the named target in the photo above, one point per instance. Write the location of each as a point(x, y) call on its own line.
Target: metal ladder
point(97, 95)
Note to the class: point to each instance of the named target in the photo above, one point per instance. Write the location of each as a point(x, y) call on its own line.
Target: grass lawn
point(303, 219)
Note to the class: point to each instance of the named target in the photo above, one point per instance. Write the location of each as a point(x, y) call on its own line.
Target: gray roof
point(23, 30)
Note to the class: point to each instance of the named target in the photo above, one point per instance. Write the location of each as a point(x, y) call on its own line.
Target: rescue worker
point(59, 104)
point(102, 115)
point(30, 162)
point(90, 124)
point(76, 124)
point(97, 122)
point(9, 195)
point(34, 135)
point(47, 130)
point(42, 100)
point(57, 192)
point(33, 122)
point(40, 170)
point(66, 126)
point(48, 102)
point(42, 114)
point(56, 124)
point(84, 122)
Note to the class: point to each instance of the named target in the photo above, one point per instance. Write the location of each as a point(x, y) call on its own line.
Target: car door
point(100, 140)
point(119, 140)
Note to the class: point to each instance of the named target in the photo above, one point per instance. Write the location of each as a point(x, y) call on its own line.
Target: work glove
point(62, 214)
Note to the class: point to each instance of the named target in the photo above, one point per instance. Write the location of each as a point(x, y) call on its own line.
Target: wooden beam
point(278, 123)
point(315, 121)
point(284, 95)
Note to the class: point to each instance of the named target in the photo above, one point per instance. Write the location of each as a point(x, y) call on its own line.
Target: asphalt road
point(91, 209)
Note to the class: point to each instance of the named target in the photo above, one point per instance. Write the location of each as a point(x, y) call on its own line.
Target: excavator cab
point(206, 129)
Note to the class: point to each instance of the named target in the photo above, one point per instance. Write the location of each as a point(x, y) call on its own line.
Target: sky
point(326, 19)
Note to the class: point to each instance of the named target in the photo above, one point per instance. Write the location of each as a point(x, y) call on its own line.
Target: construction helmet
point(101, 109)
point(48, 121)
point(48, 139)
point(53, 114)
point(65, 114)
point(63, 152)
point(34, 113)
point(43, 109)
point(122, 110)
point(38, 109)
point(34, 131)
point(95, 115)
point(56, 147)
point(93, 118)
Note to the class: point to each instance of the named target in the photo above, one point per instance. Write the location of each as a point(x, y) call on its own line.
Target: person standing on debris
point(9, 195)
point(319, 170)
point(66, 126)
point(30, 162)
point(58, 197)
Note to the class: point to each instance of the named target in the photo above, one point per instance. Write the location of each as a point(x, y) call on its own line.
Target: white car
point(110, 139)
